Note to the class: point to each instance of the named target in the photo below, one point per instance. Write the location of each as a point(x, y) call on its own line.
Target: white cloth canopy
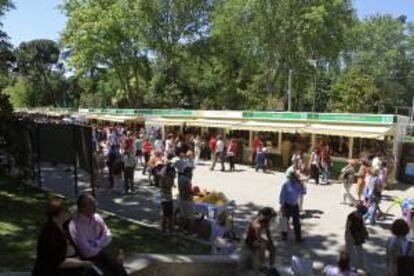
point(269, 126)
point(373, 132)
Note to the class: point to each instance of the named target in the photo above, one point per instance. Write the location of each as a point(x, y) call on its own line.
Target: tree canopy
point(220, 54)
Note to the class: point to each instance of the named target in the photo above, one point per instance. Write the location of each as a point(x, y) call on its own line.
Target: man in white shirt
point(159, 145)
point(112, 137)
point(219, 153)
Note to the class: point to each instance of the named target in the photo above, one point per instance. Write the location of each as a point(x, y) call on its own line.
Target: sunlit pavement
point(322, 225)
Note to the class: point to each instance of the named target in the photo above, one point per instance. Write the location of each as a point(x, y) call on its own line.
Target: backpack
point(168, 170)
point(405, 263)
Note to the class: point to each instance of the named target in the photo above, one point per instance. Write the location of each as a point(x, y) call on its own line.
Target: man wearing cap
point(289, 203)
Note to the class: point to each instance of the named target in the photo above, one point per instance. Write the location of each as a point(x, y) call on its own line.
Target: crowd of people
point(122, 150)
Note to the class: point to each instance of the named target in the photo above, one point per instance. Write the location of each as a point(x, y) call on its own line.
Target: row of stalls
point(348, 135)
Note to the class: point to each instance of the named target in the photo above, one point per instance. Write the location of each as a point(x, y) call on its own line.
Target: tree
point(284, 35)
point(109, 42)
point(6, 58)
point(35, 60)
point(354, 91)
point(22, 94)
point(169, 28)
point(383, 57)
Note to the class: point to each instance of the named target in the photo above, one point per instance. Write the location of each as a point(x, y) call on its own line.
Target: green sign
point(327, 117)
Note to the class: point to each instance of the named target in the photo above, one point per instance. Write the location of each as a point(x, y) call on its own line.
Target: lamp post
point(314, 63)
point(290, 91)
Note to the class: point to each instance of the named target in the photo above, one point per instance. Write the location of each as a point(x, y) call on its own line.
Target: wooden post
point(163, 132)
point(313, 140)
point(250, 138)
point(351, 147)
point(39, 171)
point(92, 168)
point(279, 143)
point(75, 161)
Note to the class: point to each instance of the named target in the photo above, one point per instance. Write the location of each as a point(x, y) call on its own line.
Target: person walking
point(114, 163)
point(325, 163)
point(297, 161)
point(138, 148)
point(315, 165)
point(146, 149)
point(159, 144)
point(220, 153)
point(362, 173)
point(169, 145)
point(129, 169)
point(261, 159)
point(212, 143)
point(372, 194)
point(197, 149)
point(356, 235)
point(167, 182)
point(232, 153)
point(289, 203)
point(255, 146)
point(383, 176)
point(347, 176)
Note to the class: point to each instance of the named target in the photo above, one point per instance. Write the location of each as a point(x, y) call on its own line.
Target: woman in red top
point(212, 145)
point(231, 153)
point(146, 149)
point(255, 145)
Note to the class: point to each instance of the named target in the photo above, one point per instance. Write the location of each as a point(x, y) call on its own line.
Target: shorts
point(167, 208)
point(138, 152)
point(186, 208)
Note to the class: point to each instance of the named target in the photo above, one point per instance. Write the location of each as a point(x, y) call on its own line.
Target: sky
point(34, 19)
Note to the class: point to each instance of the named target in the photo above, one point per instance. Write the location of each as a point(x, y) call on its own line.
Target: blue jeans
point(325, 173)
point(260, 165)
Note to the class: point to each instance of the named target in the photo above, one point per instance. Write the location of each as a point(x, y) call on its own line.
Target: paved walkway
point(323, 224)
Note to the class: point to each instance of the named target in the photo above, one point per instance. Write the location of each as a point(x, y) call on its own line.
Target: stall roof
point(159, 121)
point(115, 119)
point(213, 123)
point(269, 126)
point(373, 132)
point(367, 131)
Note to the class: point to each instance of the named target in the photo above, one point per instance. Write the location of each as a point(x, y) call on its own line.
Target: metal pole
point(39, 170)
point(92, 166)
point(75, 161)
point(290, 91)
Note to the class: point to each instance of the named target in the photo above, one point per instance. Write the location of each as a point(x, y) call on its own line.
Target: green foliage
point(34, 61)
point(22, 93)
point(354, 91)
point(379, 75)
point(6, 59)
point(221, 54)
point(111, 41)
